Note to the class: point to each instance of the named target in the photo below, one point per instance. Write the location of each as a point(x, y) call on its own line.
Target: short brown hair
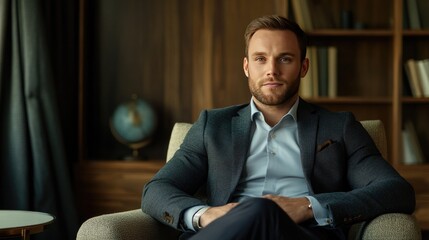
point(275, 22)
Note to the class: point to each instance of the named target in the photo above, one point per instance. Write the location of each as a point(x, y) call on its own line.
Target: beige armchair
point(135, 224)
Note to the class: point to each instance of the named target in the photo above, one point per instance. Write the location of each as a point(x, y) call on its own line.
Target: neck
point(274, 113)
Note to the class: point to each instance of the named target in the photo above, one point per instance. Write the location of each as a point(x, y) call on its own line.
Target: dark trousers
point(259, 219)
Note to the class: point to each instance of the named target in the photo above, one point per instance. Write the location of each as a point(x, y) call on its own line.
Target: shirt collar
point(255, 111)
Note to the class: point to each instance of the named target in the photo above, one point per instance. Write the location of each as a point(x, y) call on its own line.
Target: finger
point(273, 197)
point(232, 204)
point(269, 196)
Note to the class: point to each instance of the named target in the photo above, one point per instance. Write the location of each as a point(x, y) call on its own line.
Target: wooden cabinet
point(112, 186)
point(185, 56)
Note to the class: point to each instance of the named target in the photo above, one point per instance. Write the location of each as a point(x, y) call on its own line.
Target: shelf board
point(122, 164)
point(420, 167)
point(414, 100)
point(351, 33)
point(416, 33)
point(350, 100)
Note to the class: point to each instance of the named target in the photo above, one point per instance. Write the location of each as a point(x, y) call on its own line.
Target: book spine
point(413, 152)
point(323, 70)
point(302, 14)
point(411, 71)
point(423, 7)
point(413, 14)
point(423, 77)
point(332, 71)
point(315, 71)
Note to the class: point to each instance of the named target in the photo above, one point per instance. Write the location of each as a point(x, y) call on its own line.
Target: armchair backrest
point(177, 135)
point(375, 128)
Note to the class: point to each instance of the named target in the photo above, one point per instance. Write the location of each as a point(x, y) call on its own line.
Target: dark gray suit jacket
point(345, 171)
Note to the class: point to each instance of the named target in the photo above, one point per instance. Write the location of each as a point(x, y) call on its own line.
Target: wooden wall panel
point(217, 29)
point(181, 56)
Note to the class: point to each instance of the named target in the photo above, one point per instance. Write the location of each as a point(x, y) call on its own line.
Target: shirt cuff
point(189, 214)
point(321, 215)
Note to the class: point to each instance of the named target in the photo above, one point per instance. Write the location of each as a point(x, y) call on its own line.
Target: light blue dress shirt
point(273, 165)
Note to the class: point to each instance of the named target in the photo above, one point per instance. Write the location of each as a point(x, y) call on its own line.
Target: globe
point(133, 123)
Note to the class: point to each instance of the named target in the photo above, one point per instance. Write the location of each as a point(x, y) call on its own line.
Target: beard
point(274, 96)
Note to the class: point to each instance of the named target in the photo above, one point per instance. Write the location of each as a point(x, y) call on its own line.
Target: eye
point(285, 59)
point(259, 59)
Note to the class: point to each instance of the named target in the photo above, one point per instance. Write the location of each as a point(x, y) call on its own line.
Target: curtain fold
point(34, 173)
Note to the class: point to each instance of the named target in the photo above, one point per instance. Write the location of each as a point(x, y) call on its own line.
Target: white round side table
point(23, 223)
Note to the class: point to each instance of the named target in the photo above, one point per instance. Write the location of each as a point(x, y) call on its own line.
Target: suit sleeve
point(375, 186)
point(170, 192)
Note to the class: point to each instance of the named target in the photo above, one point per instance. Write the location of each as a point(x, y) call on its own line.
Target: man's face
point(274, 67)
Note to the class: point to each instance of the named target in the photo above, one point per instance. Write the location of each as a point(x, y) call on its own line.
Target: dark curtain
point(34, 170)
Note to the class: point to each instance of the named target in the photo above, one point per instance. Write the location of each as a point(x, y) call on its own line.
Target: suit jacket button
point(168, 218)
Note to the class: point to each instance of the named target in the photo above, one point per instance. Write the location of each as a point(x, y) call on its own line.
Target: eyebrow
point(280, 55)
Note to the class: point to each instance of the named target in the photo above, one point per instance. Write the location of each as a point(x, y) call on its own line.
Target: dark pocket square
point(322, 146)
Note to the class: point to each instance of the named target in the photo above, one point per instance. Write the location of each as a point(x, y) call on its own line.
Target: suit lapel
point(240, 132)
point(307, 130)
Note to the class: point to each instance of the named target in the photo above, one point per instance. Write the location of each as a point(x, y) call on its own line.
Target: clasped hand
point(296, 208)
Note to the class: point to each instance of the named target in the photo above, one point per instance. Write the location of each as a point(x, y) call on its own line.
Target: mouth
point(272, 84)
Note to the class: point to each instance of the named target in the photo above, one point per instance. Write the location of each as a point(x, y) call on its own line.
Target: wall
point(181, 56)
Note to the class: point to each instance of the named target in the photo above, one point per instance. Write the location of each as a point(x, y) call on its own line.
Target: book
point(412, 150)
point(301, 11)
point(405, 18)
point(321, 77)
point(423, 76)
point(413, 14)
point(332, 71)
point(426, 65)
point(424, 17)
point(322, 58)
point(314, 71)
point(321, 15)
point(412, 75)
point(407, 152)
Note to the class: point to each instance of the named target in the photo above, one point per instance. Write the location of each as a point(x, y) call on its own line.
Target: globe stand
point(135, 148)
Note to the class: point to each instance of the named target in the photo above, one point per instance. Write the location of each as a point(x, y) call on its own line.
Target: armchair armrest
point(135, 224)
point(129, 225)
point(387, 226)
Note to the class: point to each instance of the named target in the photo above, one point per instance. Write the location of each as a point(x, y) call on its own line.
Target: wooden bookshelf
point(189, 58)
point(380, 67)
point(351, 33)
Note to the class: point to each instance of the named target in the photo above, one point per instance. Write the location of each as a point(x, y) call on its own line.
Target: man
point(279, 167)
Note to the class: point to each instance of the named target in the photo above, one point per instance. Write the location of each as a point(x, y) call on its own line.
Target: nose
point(273, 69)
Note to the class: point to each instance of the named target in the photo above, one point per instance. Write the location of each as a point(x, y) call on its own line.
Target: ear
point(246, 66)
point(304, 67)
